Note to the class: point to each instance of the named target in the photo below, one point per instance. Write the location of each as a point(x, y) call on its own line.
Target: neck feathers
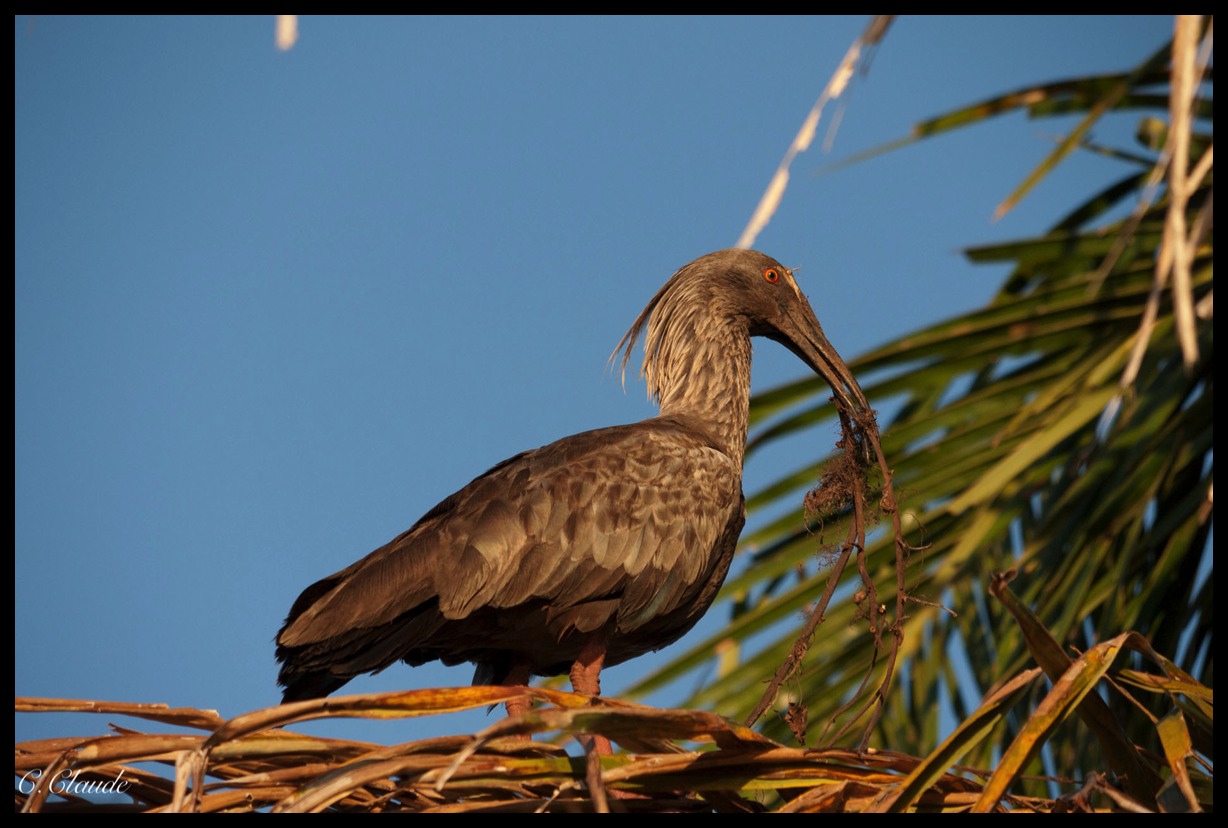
point(696, 359)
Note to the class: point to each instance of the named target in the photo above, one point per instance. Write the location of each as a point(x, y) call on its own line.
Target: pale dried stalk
point(1181, 101)
point(801, 142)
point(1177, 246)
point(287, 31)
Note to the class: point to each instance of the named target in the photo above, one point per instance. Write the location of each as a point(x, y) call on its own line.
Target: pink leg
point(586, 679)
point(586, 672)
point(519, 675)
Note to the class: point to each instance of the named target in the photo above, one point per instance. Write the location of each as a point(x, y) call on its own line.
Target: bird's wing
point(628, 517)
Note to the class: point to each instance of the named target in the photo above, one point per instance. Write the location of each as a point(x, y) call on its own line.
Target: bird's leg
point(519, 675)
point(586, 679)
point(586, 671)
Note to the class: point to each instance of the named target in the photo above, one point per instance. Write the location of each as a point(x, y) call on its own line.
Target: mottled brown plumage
point(592, 550)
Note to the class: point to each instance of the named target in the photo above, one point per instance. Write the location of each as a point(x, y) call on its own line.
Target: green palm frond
point(1029, 437)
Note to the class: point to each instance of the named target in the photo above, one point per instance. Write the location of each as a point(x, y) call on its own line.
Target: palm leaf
point(1016, 446)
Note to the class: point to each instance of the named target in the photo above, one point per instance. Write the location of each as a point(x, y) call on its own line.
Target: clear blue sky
point(271, 307)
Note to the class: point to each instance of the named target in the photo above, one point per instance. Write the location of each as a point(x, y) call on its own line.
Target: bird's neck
point(707, 380)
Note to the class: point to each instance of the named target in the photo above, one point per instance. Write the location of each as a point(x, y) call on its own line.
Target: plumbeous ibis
point(592, 550)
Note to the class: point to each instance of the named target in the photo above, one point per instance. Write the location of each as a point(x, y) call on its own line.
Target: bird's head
point(751, 289)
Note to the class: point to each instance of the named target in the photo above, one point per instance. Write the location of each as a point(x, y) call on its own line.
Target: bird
point(594, 549)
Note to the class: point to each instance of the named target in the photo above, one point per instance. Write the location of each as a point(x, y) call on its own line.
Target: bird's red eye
point(772, 275)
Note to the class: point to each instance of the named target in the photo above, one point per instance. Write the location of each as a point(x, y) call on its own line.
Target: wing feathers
point(620, 524)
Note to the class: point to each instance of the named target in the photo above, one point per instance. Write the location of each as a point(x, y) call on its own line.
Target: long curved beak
point(799, 331)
